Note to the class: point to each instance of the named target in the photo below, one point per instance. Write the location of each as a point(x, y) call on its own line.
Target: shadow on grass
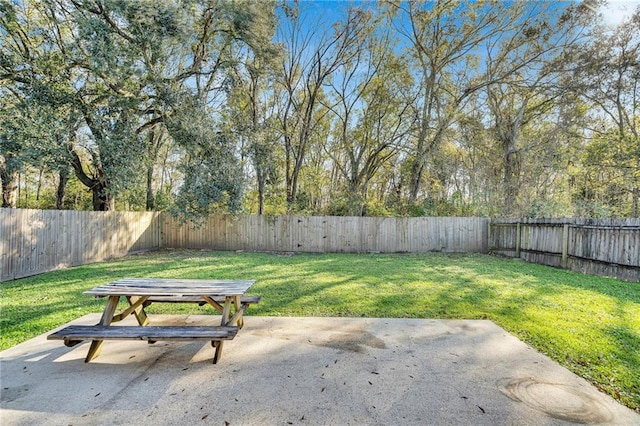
point(555, 311)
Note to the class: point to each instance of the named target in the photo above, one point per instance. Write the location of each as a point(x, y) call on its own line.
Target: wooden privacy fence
point(322, 234)
point(36, 241)
point(608, 247)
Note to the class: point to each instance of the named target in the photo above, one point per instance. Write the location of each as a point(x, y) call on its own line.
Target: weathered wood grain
point(154, 333)
point(171, 287)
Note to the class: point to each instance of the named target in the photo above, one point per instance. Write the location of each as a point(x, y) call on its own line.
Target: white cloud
point(617, 10)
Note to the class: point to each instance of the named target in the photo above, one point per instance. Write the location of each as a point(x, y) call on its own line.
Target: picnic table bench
point(226, 297)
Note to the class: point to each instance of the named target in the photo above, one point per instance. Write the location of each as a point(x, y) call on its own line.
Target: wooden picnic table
point(225, 296)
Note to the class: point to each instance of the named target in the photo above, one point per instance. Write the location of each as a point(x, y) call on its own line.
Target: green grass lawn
point(589, 324)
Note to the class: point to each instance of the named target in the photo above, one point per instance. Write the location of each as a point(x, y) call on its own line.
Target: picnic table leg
point(218, 353)
point(236, 301)
point(226, 310)
point(107, 317)
point(139, 312)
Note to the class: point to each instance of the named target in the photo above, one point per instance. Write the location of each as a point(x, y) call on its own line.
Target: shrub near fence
point(608, 247)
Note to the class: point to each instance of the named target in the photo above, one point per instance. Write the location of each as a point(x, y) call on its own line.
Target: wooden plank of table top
point(176, 291)
point(172, 281)
point(168, 283)
point(171, 287)
point(225, 288)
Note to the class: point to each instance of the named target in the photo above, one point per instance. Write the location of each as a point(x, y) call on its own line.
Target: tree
point(607, 76)
point(26, 126)
point(250, 112)
point(413, 107)
point(11, 152)
point(212, 174)
point(311, 57)
point(447, 40)
point(443, 37)
point(125, 68)
point(526, 94)
point(369, 102)
point(49, 68)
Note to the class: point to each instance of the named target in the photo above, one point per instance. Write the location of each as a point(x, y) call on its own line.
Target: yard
point(591, 325)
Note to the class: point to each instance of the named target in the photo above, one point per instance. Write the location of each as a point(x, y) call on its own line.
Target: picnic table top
point(171, 287)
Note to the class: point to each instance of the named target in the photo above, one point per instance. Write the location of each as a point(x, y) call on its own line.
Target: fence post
point(518, 238)
point(159, 229)
point(565, 246)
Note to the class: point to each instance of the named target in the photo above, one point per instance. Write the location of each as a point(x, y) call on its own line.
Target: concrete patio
point(315, 371)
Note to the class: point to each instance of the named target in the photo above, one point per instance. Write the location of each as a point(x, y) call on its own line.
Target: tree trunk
point(260, 160)
point(287, 169)
point(151, 204)
point(63, 178)
point(417, 167)
point(9, 178)
point(425, 148)
point(261, 188)
point(39, 187)
point(9, 186)
point(101, 200)
point(510, 179)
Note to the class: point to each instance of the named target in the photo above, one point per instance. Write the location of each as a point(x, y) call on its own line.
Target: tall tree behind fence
point(36, 241)
point(608, 247)
point(320, 234)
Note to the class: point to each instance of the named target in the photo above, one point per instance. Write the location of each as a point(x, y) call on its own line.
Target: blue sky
point(613, 13)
